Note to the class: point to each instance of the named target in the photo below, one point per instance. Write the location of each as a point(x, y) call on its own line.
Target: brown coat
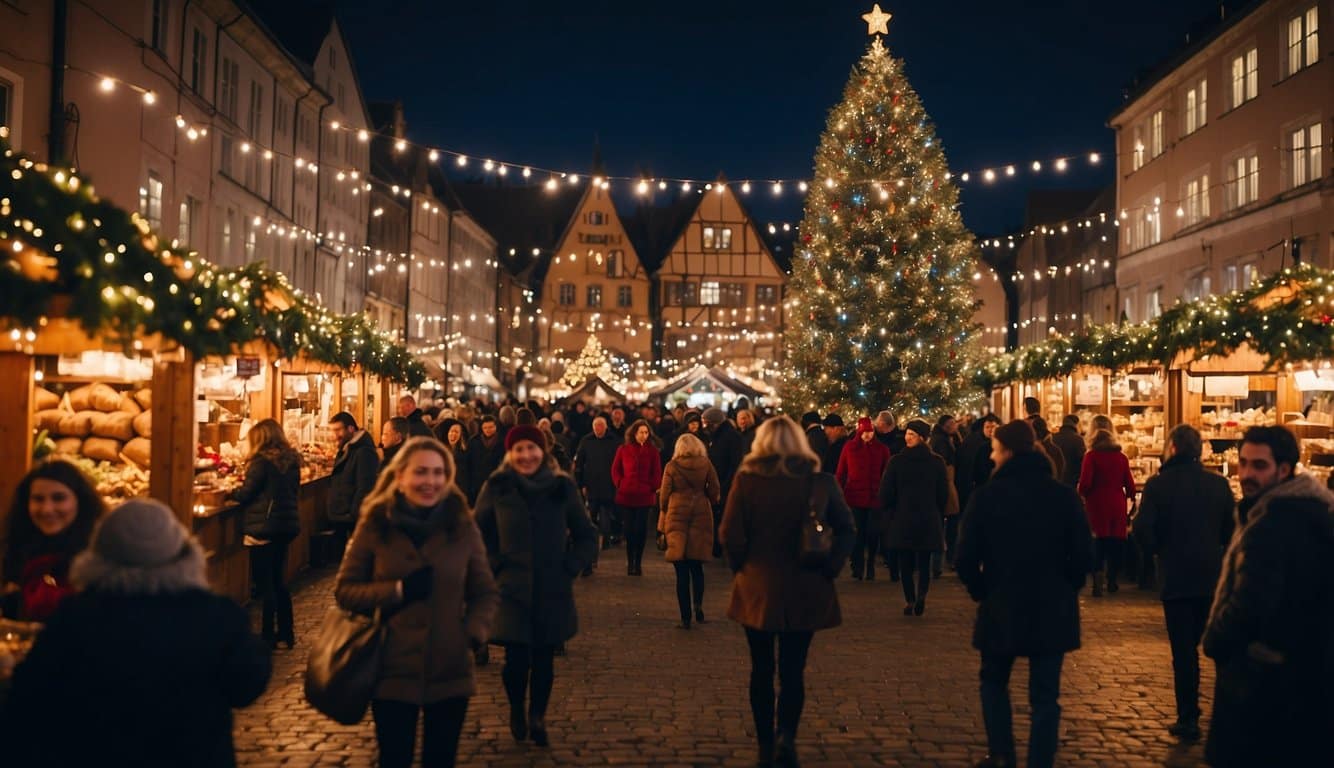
point(689, 491)
point(428, 643)
point(761, 535)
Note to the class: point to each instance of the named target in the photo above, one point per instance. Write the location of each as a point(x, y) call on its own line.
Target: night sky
point(692, 87)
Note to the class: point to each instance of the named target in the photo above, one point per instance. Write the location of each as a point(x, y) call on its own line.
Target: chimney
point(400, 126)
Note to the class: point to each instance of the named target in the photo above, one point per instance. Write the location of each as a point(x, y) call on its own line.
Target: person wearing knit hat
point(836, 433)
point(913, 494)
point(1024, 551)
point(860, 465)
point(169, 661)
point(527, 511)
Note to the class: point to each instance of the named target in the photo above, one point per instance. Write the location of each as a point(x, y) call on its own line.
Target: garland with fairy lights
point(68, 252)
point(1287, 318)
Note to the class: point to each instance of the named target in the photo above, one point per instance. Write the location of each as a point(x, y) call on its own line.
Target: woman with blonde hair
point(418, 557)
point(774, 595)
point(268, 495)
point(686, 498)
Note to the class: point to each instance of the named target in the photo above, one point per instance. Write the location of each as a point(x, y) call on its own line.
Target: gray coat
point(526, 523)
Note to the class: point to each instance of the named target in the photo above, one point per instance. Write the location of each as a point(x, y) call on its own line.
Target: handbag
point(817, 538)
point(344, 664)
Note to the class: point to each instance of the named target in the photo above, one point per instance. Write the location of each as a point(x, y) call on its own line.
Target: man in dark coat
point(977, 443)
point(393, 434)
point(407, 408)
point(485, 452)
point(1185, 517)
point(725, 452)
point(810, 422)
point(1071, 443)
point(592, 471)
point(887, 432)
point(354, 472)
point(580, 422)
point(1271, 628)
point(745, 424)
point(1024, 551)
point(836, 432)
point(913, 495)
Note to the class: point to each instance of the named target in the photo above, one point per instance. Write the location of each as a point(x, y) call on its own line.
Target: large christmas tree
point(881, 295)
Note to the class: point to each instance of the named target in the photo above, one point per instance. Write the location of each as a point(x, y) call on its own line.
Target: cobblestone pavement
point(882, 690)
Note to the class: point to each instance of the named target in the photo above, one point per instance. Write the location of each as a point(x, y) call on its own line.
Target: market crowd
point(466, 525)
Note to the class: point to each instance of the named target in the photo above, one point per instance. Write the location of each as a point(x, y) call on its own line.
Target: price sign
point(247, 367)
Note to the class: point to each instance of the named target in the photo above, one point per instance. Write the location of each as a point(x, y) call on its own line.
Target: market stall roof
point(718, 376)
point(595, 390)
point(481, 377)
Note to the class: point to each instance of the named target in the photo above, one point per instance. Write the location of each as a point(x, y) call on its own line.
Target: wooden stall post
point(171, 475)
point(16, 372)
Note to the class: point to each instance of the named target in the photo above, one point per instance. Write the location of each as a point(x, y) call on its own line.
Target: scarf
point(417, 523)
point(539, 483)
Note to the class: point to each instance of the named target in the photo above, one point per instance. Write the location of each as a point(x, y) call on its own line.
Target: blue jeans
point(1044, 686)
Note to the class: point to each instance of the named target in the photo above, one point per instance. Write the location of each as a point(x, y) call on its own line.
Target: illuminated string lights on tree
point(881, 297)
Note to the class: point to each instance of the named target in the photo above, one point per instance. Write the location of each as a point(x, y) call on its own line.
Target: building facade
point(1223, 169)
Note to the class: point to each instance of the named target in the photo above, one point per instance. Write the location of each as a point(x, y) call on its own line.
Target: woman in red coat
point(1106, 485)
point(860, 466)
point(637, 472)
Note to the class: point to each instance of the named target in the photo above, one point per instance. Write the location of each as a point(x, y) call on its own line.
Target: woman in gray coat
point(417, 556)
point(527, 511)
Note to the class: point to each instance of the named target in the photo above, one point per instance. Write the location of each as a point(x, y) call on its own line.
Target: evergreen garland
point(68, 252)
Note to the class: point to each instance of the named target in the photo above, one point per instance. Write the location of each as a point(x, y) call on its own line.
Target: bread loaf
point(44, 399)
point(81, 398)
point(139, 450)
point(143, 424)
point(105, 399)
point(76, 424)
point(102, 449)
point(118, 425)
point(129, 405)
point(50, 419)
point(144, 397)
point(70, 446)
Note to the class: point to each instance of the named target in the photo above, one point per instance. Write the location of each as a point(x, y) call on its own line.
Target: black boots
point(785, 750)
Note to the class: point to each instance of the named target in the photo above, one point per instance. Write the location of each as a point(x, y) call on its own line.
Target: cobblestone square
point(882, 690)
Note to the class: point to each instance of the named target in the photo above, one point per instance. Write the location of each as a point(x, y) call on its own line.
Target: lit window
point(1243, 178)
point(717, 238)
point(616, 264)
point(1303, 40)
point(6, 104)
point(1306, 155)
point(1153, 304)
point(150, 201)
point(1137, 156)
point(1197, 200)
point(766, 295)
point(710, 294)
point(1197, 110)
point(189, 215)
point(1230, 278)
point(1245, 77)
point(1156, 134)
point(594, 296)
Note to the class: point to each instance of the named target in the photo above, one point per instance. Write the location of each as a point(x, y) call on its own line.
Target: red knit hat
point(864, 425)
point(525, 432)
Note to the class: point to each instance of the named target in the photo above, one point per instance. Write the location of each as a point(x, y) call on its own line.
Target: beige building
point(1222, 160)
point(719, 289)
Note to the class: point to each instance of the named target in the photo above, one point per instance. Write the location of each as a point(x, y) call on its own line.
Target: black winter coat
point(893, 440)
point(945, 445)
point(965, 477)
point(483, 461)
point(1072, 447)
point(1271, 632)
point(1185, 517)
point(417, 425)
point(269, 496)
point(525, 523)
point(819, 444)
point(1024, 548)
point(725, 453)
point(141, 680)
point(831, 456)
point(592, 465)
point(913, 493)
point(354, 471)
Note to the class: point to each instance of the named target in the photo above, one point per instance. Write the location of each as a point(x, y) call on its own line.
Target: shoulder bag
point(817, 538)
point(344, 664)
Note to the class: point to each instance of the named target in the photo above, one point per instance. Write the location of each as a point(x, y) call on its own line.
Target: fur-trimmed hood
point(91, 571)
point(1303, 486)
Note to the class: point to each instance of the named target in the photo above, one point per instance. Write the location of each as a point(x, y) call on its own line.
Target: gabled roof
point(595, 390)
point(301, 26)
point(715, 375)
point(522, 218)
point(654, 230)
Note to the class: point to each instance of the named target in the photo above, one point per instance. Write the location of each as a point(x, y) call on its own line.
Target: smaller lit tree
point(594, 360)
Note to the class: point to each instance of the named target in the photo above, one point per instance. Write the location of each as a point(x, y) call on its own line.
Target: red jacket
point(637, 472)
point(1106, 484)
point(860, 466)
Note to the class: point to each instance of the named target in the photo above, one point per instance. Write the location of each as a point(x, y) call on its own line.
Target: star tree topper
point(877, 21)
